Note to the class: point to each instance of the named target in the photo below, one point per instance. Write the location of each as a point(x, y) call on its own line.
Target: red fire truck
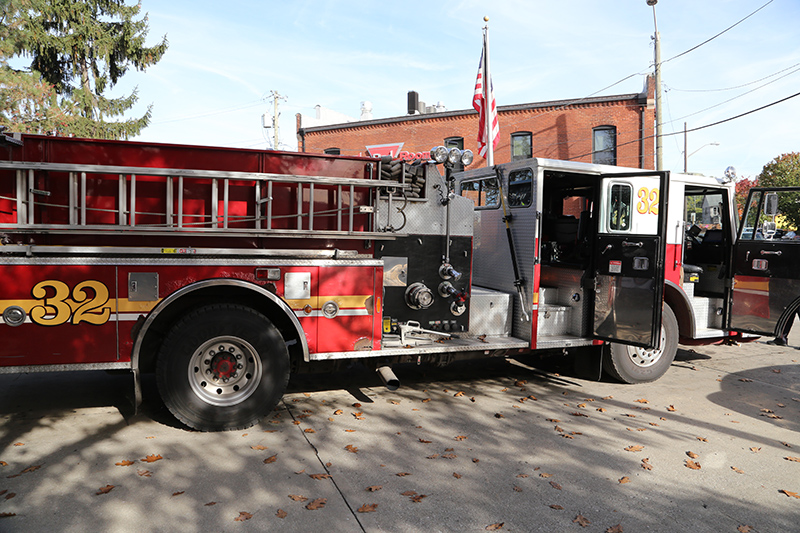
point(224, 270)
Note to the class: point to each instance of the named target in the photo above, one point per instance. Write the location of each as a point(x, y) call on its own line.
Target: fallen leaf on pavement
point(3, 463)
point(789, 493)
point(338, 412)
point(737, 470)
point(744, 529)
point(692, 455)
point(582, 521)
point(494, 527)
point(374, 488)
point(124, 462)
point(350, 448)
point(691, 464)
point(498, 415)
point(615, 529)
point(634, 448)
point(517, 489)
point(418, 498)
point(319, 476)
point(641, 400)
point(151, 458)
point(555, 485)
point(178, 493)
point(795, 459)
point(297, 497)
point(556, 507)
point(7, 515)
point(545, 474)
point(281, 513)
point(671, 408)
point(646, 464)
point(461, 437)
point(459, 393)
point(144, 473)
point(271, 459)
point(209, 504)
point(456, 475)
point(309, 430)
point(243, 516)
point(423, 441)
point(319, 503)
point(258, 447)
point(408, 493)
point(755, 449)
point(104, 490)
point(368, 508)
point(403, 474)
point(702, 439)
point(624, 479)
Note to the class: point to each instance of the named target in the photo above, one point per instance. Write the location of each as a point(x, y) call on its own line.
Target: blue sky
point(225, 58)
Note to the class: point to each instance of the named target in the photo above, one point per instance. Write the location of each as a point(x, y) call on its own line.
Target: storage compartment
point(490, 312)
point(553, 320)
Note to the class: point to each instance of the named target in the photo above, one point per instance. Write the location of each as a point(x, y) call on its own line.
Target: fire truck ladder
point(26, 203)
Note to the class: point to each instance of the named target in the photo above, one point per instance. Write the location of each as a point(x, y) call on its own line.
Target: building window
point(455, 142)
point(521, 145)
point(333, 151)
point(604, 145)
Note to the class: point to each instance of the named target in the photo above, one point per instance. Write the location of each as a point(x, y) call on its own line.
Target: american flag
point(478, 100)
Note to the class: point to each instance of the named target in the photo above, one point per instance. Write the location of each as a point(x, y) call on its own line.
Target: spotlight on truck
point(451, 157)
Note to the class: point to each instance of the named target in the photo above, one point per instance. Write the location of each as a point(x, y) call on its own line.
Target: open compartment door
point(629, 253)
point(766, 277)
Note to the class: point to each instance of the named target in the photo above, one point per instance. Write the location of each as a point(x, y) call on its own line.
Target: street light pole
point(659, 150)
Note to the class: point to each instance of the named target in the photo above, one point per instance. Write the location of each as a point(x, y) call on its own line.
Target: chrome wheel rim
point(224, 371)
point(645, 357)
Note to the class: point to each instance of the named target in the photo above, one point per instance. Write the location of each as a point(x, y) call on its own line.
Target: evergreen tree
point(79, 49)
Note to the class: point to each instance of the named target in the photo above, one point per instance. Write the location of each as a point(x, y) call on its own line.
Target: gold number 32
point(57, 310)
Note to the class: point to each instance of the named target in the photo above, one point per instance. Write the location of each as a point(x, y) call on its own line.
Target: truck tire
point(631, 364)
point(222, 367)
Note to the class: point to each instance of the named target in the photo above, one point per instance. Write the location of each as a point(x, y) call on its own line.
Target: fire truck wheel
point(222, 367)
point(631, 364)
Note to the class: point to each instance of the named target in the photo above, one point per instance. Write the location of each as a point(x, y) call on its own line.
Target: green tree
point(79, 49)
point(784, 171)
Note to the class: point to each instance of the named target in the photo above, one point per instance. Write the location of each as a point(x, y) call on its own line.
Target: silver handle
point(769, 252)
point(629, 244)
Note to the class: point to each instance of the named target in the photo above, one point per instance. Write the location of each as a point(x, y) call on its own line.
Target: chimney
point(413, 103)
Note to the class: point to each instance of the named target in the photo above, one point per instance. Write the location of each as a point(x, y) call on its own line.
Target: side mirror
point(771, 204)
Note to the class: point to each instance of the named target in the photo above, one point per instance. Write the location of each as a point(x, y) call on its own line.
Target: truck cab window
point(778, 218)
point(620, 209)
point(520, 192)
point(483, 192)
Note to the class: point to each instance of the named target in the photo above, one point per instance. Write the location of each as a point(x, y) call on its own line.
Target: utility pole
point(659, 150)
point(275, 95)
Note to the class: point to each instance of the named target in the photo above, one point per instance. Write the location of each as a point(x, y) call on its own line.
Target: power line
point(731, 88)
point(734, 98)
point(698, 128)
point(717, 35)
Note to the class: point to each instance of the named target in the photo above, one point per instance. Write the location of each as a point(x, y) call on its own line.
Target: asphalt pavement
point(501, 445)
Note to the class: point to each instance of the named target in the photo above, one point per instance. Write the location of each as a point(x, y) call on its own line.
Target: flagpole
point(487, 90)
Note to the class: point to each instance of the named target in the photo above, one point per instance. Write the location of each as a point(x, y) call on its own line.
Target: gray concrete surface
point(476, 455)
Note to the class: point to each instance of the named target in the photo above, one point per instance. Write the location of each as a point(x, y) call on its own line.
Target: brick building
point(614, 130)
